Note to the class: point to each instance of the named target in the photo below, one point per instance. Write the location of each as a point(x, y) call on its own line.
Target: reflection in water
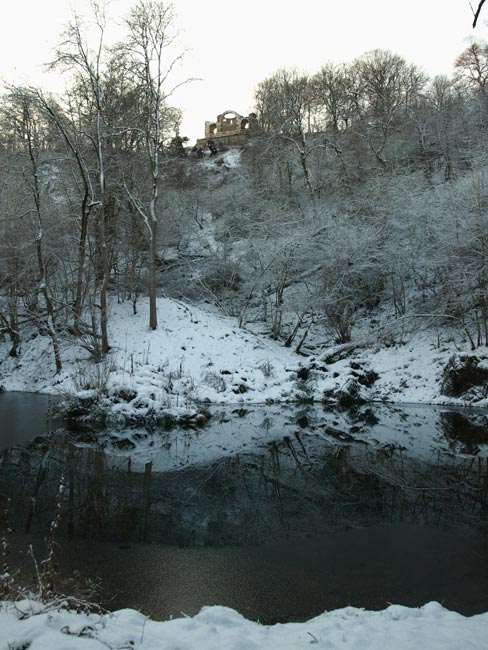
point(299, 485)
point(468, 430)
point(364, 502)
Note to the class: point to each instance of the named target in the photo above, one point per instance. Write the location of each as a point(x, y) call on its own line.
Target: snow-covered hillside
point(194, 355)
point(198, 356)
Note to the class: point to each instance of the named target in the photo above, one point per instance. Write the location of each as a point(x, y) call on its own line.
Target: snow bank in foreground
point(430, 627)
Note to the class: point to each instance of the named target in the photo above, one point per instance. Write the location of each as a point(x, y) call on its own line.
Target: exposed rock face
point(351, 393)
point(465, 376)
point(303, 373)
point(365, 376)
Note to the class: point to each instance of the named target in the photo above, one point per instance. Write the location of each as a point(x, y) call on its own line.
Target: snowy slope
point(193, 355)
point(197, 355)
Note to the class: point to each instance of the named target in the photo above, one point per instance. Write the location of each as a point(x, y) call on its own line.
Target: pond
point(278, 512)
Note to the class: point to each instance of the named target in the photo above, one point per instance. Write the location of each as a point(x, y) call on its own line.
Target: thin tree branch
point(477, 13)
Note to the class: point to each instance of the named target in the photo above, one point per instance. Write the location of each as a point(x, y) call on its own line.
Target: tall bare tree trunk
point(41, 266)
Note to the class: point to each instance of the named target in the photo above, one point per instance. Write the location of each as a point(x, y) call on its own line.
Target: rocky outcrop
point(352, 392)
point(465, 376)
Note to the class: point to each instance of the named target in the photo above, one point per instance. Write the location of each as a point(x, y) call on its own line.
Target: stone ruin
point(229, 129)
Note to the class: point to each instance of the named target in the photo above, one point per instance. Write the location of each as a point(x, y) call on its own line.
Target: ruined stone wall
point(229, 129)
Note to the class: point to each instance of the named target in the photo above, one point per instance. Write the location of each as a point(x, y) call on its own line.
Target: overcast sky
point(234, 45)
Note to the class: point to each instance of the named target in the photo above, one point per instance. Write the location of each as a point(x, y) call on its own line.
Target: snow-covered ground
point(198, 355)
point(431, 627)
point(194, 355)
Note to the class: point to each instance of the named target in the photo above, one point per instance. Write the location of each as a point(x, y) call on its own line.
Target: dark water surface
point(23, 415)
point(279, 513)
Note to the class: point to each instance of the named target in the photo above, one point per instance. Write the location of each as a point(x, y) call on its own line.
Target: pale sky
point(234, 45)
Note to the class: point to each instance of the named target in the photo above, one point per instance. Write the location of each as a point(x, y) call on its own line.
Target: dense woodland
point(357, 211)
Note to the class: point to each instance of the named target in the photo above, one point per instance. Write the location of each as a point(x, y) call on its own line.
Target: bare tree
point(388, 85)
point(149, 52)
point(75, 55)
point(333, 89)
point(477, 13)
point(472, 75)
point(12, 252)
point(24, 119)
point(285, 102)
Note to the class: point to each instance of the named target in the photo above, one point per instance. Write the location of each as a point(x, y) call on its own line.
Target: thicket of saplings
point(358, 210)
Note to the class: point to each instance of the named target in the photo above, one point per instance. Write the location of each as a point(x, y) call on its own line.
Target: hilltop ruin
point(229, 129)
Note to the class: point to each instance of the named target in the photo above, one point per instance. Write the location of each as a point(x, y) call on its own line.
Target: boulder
point(464, 376)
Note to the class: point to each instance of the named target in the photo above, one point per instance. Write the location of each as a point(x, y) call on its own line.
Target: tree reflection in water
point(380, 505)
point(315, 479)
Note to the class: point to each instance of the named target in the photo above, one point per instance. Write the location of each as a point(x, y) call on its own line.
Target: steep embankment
point(197, 356)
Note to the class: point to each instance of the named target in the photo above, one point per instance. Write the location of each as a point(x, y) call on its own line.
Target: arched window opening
point(229, 119)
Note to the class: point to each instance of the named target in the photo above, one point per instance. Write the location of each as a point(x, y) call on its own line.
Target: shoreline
point(199, 359)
